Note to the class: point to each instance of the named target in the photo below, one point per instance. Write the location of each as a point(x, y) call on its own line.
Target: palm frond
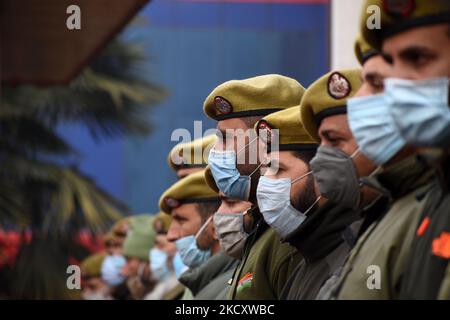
point(74, 200)
point(24, 134)
point(110, 97)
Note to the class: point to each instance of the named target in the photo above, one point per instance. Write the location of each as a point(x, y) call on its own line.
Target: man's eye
point(332, 140)
point(418, 58)
point(377, 86)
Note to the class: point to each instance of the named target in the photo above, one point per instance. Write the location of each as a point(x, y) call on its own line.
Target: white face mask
point(158, 264)
point(111, 267)
point(274, 203)
point(420, 109)
point(230, 231)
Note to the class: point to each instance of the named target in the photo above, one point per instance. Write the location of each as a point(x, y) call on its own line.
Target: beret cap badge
point(222, 105)
point(338, 86)
point(399, 8)
point(172, 202)
point(264, 126)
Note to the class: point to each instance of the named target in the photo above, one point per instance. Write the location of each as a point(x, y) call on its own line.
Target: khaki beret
point(191, 154)
point(92, 265)
point(120, 228)
point(258, 96)
point(328, 96)
point(210, 179)
point(140, 237)
point(191, 189)
point(291, 132)
point(400, 15)
point(363, 51)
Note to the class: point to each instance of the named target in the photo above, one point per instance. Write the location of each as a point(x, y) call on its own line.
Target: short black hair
point(207, 209)
point(304, 155)
point(251, 121)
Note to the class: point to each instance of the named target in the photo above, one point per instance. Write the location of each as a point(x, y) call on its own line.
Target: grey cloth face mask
point(230, 231)
point(336, 176)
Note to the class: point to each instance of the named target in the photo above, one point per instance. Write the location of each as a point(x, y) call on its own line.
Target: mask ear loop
point(257, 168)
point(249, 210)
point(301, 177)
point(312, 206)
point(203, 227)
point(243, 148)
point(354, 153)
point(317, 199)
point(374, 172)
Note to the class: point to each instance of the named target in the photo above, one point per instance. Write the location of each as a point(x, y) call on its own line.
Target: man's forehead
point(420, 37)
point(334, 123)
point(231, 124)
point(184, 210)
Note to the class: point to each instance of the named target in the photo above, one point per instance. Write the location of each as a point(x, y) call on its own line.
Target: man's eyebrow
point(327, 132)
point(177, 216)
point(371, 75)
point(413, 50)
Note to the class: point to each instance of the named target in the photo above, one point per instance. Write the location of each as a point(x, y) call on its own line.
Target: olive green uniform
point(265, 267)
point(201, 280)
point(386, 245)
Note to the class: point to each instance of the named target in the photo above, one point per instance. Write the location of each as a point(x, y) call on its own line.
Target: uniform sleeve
point(284, 261)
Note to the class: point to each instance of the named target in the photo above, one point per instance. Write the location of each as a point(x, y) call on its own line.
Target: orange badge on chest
point(441, 245)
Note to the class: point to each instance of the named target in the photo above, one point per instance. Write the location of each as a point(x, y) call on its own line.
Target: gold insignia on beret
point(172, 202)
point(222, 105)
point(338, 86)
point(399, 8)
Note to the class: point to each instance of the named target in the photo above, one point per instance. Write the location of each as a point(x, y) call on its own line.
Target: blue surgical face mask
point(420, 109)
point(111, 267)
point(274, 203)
point(374, 128)
point(178, 265)
point(190, 253)
point(226, 175)
point(158, 264)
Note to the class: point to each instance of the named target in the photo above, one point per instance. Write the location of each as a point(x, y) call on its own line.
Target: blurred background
point(87, 114)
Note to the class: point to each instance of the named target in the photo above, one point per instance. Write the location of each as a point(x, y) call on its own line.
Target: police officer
point(234, 162)
point(376, 266)
point(415, 39)
point(139, 240)
point(192, 203)
point(328, 233)
point(189, 157)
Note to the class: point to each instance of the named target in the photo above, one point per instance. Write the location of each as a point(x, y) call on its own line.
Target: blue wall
point(193, 47)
